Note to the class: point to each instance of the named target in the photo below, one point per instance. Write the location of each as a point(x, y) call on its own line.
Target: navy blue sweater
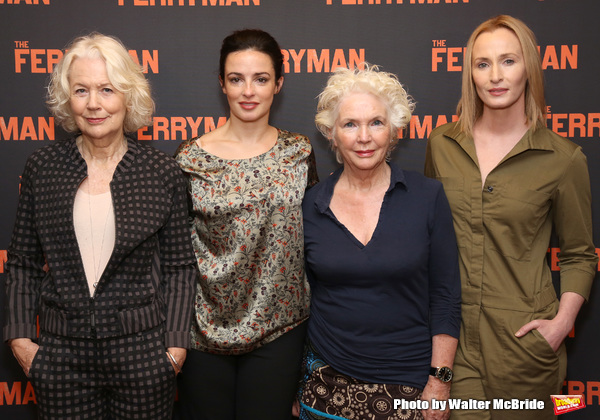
point(375, 308)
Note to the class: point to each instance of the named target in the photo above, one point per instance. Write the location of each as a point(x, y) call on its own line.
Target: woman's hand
point(296, 408)
point(24, 350)
point(179, 354)
point(554, 331)
point(439, 391)
point(443, 351)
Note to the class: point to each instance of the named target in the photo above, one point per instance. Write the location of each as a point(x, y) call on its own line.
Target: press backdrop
point(178, 43)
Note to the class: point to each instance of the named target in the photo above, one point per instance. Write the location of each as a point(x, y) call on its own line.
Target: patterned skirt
point(327, 394)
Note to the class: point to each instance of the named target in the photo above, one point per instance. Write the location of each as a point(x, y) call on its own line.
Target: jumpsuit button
point(490, 188)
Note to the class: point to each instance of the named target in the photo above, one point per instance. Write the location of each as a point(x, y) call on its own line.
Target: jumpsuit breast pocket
point(515, 219)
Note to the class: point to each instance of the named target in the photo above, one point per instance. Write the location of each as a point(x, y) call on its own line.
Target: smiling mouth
point(96, 120)
point(364, 153)
point(248, 105)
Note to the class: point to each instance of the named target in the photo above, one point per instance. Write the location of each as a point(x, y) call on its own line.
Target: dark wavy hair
point(251, 39)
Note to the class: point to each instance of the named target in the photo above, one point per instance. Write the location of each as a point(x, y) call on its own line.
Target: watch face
point(445, 374)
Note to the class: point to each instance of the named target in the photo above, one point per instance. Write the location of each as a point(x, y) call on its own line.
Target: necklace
point(98, 255)
point(85, 147)
point(100, 173)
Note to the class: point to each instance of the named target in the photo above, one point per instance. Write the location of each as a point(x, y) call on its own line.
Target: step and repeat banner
point(178, 42)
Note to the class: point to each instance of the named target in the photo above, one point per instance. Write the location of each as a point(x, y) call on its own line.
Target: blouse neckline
point(203, 150)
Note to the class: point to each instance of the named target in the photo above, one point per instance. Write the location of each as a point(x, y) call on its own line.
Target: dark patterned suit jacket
point(149, 280)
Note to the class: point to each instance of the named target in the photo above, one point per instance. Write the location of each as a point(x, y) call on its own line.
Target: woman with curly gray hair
point(381, 260)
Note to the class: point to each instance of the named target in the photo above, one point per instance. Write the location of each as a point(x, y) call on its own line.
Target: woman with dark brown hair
point(246, 181)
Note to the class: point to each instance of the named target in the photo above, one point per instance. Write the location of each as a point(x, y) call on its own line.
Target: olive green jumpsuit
point(503, 229)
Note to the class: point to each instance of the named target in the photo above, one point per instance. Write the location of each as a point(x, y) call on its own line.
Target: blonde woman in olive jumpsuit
point(510, 181)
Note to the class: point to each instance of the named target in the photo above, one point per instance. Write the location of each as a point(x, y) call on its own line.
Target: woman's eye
point(377, 122)
point(80, 92)
point(349, 125)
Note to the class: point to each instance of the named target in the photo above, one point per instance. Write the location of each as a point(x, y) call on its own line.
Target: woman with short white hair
point(381, 260)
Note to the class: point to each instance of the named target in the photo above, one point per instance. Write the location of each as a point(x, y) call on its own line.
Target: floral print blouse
point(246, 222)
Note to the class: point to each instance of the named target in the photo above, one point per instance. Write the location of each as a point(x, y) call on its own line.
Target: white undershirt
point(94, 221)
